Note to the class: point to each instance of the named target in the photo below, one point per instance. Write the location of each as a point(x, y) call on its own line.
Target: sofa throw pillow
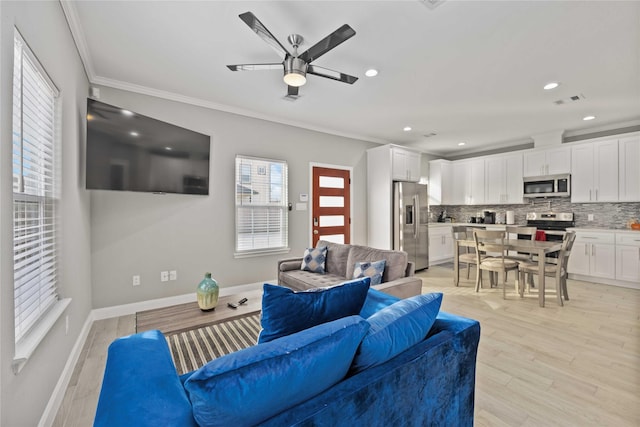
point(373, 269)
point(376, 301)
point(254, 384)
point(285, 312)
point(396, 328)
point(314, 259)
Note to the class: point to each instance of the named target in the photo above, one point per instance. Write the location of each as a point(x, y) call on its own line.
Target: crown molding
point(71, 15)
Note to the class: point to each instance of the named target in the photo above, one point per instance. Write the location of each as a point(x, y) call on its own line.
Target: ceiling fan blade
point(292, 90)
point(340, 35)
point(330, 74)
point(257, 26)
point(256, 67)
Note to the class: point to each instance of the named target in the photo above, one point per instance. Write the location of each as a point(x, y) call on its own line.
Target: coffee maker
point(489, 217)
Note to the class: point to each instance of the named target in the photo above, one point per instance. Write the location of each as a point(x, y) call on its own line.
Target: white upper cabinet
point(549, 161)
point(629, 169)
point(405, 164)
point(503, 179)
point(439, 182)
point(594, 172)
point(467, 178)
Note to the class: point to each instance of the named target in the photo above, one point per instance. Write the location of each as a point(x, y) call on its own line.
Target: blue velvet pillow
point(371, 269)
point(396, 328)
point(254, 384)
point(376, 301)
point(314, 259)
point(285, 312)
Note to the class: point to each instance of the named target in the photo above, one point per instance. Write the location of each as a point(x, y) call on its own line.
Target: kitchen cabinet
point(628, 258)
point(439, 182)
point(467, 186)
point(593, 254)
point(405, 164)
point(440, 244)
point(628, 170)
point(594, 170)
point(503, 179)
point(549, 161)
point(383, 167)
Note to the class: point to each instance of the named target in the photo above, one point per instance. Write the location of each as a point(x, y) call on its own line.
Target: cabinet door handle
point(589, 194)
point(593, 250)
point(586, 250)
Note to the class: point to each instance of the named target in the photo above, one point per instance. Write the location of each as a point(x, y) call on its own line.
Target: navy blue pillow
point(396, 328)
point(285, 312)
point(251, 385)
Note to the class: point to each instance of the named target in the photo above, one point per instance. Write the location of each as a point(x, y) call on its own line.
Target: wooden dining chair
point(524, 233)
point(557, 270)
point(492, 242)
point(466, 255)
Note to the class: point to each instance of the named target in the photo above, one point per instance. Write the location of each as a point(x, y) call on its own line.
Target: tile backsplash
point(607, 215)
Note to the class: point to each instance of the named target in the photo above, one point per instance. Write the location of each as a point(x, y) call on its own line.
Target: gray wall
point(144, 234)
point(24, 396)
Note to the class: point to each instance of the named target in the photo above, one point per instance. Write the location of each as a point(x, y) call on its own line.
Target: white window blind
point(34, 190)
point(261, 205)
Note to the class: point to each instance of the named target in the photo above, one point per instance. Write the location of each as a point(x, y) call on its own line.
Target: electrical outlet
point(136, 280)
point(590, 217)
point(173, 275)
point(164, 276)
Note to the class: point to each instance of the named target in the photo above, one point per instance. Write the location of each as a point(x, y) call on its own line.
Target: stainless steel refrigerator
point(410, 222)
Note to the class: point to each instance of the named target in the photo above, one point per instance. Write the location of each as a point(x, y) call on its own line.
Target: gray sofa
point(398, 278)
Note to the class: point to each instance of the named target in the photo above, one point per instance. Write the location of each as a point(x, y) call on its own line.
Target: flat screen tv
point(127, 151)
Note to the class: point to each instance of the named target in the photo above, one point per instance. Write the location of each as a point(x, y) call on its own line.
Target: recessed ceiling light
point(134, 133)
point(371, 72)
point(587, 118)
point(127, 113)
point(551, 85)
point(168, 148)
point(407, 128)
point(461, 144)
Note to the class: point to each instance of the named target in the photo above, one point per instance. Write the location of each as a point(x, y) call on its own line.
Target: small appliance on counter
point(500, 217)
point(511, 218)
point(489, 217)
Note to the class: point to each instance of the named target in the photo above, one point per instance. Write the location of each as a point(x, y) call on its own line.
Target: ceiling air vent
point(432, 4)
point(429, 135)
point(569, 100)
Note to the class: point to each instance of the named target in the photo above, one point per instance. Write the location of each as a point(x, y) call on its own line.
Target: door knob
point(315, 231)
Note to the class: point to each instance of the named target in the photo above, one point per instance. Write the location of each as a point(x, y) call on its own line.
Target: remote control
point(242, 301)
point(232, 304)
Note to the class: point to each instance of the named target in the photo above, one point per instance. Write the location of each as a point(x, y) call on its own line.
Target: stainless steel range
point(553, 224)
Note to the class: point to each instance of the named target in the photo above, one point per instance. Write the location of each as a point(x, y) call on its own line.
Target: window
point(35, 198)
point(261, 205)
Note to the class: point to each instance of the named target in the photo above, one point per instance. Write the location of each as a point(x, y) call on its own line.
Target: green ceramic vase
point(208, 293)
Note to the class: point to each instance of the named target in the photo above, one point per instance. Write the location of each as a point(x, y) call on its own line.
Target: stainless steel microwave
point(547, 186)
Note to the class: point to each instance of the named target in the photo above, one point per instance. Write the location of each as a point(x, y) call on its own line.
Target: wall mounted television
point(127, 151)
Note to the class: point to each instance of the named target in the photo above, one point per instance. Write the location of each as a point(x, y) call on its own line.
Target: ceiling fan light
point(295, 79)
point(295, 71)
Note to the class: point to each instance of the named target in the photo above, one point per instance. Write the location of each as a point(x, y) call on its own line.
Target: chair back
point(490, 241)
point(565, 251)
point(523, 233)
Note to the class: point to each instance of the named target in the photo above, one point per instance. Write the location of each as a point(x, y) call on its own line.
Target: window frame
point(36, 104)
point(250, 238)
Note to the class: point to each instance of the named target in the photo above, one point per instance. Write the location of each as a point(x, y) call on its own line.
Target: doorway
point(331, 205)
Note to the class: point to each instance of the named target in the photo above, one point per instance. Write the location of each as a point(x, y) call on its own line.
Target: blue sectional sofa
point(323, 377)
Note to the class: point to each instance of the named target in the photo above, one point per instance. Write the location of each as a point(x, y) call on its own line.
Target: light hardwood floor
point(577, 365)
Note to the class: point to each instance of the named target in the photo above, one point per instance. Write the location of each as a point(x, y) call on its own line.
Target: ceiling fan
point(296, 67)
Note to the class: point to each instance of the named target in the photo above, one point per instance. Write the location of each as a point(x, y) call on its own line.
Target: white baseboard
point(53, 406)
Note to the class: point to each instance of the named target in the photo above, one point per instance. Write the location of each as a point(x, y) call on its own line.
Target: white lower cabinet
point(593, 255)
point(628, 258)
point(440, 244)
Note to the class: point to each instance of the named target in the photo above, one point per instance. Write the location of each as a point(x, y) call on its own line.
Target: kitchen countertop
point(580, 229)
point(603, 230)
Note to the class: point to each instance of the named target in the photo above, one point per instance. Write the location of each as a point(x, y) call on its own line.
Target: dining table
point(534, 247)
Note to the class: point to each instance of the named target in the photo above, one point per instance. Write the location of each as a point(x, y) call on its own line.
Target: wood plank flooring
point(577, 365)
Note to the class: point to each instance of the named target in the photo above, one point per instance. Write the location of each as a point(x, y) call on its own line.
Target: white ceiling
point(469, 71)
